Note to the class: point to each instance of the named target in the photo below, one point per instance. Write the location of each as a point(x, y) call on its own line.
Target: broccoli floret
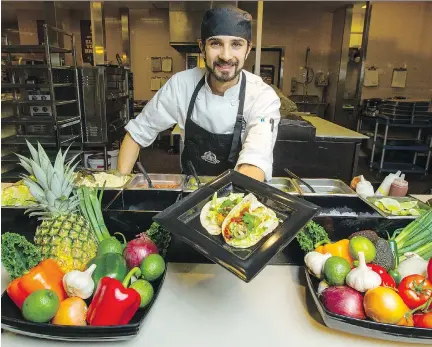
point(310, 235)
point(160, 236)
point(384, 255)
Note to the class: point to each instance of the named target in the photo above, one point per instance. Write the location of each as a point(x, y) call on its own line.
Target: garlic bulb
point(79, 283)
point(363, 278)
point(315, 262)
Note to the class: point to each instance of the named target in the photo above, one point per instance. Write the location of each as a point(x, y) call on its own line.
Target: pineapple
point(64, 234)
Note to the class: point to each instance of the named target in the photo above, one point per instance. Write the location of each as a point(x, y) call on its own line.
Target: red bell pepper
point(386, 279)
point(113, 303)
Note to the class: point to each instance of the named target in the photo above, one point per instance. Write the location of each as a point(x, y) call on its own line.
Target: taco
point(215, 211)
point(248, 223)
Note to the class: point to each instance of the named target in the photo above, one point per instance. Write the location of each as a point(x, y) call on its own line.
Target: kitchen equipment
point(183, 220)
point(144, 172)
point(324, 186)
point(194, 173)
point(159, 181)
point(284, 184)
point(293, 175)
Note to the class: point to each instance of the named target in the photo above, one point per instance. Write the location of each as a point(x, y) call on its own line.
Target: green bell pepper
point(108, 265)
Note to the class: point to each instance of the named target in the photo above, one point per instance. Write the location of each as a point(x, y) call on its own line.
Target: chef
point(229, 116)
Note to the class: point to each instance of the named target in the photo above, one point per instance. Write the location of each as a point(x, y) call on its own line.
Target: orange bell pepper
point(340, 249)
point(46, 275)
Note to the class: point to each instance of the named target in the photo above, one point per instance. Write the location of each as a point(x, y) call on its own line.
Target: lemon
point(41, 306)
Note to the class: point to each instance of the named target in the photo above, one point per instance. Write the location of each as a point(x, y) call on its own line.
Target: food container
point(367, 328)
point(342, 206)
point(285, 184)
point(160, 181)
point(420, 205)
point(12, 319)
point(190, 184)
point(324, 186)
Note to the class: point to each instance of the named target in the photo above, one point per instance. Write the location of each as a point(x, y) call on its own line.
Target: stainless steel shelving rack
point(59, 127)
point(408, 115)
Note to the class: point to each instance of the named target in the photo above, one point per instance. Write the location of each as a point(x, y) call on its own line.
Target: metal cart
point(408, 115)
point(40, 101)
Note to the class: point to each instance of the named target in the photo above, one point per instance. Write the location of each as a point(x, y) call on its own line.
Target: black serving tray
point(367, 328)
point(11, 317)
point(183, 220)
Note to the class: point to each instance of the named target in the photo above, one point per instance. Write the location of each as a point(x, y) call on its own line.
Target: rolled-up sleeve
point(159, 114)
point(261, 133)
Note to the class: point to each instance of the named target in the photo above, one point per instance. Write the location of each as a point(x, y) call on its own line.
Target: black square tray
point(12, 319)
point(367, 328)
point(183, 219)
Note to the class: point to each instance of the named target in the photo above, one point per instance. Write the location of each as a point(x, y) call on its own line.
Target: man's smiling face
point(225, 56)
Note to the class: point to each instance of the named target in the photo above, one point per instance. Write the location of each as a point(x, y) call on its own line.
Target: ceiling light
point(364, 6)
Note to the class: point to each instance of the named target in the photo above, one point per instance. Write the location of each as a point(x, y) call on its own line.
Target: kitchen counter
point(205, 305)
point(326, 129)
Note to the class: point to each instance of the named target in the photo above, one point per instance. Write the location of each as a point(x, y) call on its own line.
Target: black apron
point(211, 154)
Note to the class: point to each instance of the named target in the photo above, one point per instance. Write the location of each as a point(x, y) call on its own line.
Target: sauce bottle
point(399, 187)
point(384, 188)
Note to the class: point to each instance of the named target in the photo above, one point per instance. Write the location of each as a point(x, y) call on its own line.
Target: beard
point(224, 76)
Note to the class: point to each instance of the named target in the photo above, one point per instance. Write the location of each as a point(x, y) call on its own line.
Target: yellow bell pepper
point(339, 248)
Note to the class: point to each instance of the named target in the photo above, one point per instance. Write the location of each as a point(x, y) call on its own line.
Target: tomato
point(429, 269)
point(384, 305)
point(423, 320)
point(415, 290)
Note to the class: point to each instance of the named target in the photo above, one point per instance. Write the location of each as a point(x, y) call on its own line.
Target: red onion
point(137, 249)
point(344, 301)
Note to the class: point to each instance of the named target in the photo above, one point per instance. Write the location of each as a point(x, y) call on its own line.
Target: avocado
point(369, 234)
point(384, 255)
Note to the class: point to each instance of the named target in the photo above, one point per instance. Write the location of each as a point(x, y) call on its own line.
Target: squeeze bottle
point(384, 188)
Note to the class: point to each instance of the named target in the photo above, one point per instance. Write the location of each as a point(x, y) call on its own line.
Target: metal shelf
point(32, 49)
point(12, 158)
point(63, 122)
point(36, 66)
point(38, 102)
point(32, 86)
point(404, 167)
point(44, 141)
point(418, 148)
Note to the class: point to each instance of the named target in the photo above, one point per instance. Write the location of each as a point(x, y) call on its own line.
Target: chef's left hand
point(251, 171)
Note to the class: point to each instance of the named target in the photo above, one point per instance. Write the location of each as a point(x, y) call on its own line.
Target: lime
point(406, 205)
point(391, 204)
point(152, 267)
point(362, 244)
point(145, 290)
point(335, 270)
point(41, 306)
point(111, 245)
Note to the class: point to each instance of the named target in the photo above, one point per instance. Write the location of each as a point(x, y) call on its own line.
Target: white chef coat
point(214, 113)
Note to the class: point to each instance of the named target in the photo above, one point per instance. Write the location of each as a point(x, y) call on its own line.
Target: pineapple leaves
point(59, 164)
point(43, 158)
point(35, 190)
point(26, 166)
point(56, 186)
point(50, 198)
point(40, 175)
point(33, 152)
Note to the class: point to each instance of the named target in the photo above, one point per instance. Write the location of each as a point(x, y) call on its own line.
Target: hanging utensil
point(194, 173)
point(144, 172)
point(293, 175)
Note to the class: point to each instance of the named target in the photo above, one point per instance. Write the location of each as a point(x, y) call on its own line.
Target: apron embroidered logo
point(210, 158)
